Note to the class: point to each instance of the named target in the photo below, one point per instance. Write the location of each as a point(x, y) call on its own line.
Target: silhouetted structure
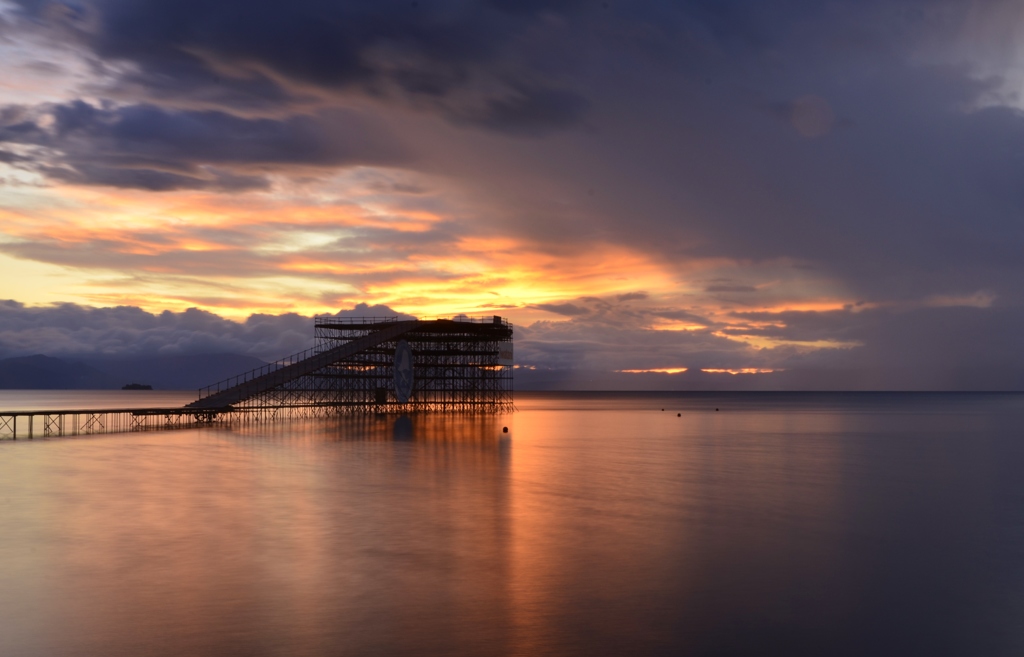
point(361, 365)
point(357, 365)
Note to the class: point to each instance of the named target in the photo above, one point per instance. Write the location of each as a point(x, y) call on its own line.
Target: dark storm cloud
point(451, 57)
point(147, 147)
point(856, 142)
point(881, 166)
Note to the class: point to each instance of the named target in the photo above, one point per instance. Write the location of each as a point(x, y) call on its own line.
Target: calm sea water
point(779, 524)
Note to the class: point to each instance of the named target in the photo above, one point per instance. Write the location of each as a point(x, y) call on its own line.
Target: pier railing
point(245, 377)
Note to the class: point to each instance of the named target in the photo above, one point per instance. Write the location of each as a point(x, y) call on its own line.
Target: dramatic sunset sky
point(724, 193)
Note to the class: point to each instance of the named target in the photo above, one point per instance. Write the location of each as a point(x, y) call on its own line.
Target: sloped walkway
point(249, 387)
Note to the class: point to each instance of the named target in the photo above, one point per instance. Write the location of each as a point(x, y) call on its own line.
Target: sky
point(719, 193)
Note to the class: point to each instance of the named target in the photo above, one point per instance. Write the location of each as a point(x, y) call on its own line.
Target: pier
point(358, 365)
point(79, 422)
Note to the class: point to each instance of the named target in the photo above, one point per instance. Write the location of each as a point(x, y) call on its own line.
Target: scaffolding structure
point(457, 366)
point(461, 365)
point(358, 365)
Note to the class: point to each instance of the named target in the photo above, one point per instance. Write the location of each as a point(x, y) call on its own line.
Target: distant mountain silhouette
point(45, 373)
point(188, 372)
point(185, 372)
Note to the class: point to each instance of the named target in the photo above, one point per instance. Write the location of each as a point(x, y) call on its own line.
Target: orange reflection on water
point(627, 508)
point(587, 527)
point(601, 524)
point(249, 538)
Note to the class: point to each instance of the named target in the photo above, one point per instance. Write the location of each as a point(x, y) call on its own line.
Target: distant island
point(136, 386)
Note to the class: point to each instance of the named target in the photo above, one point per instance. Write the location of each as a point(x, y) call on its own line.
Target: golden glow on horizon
point(601, 266)
point(742, 370)
point(484, 281)
point(815, 306)
point(763, 342)
point(318, 252)
point(677, 326)
point(315, 251)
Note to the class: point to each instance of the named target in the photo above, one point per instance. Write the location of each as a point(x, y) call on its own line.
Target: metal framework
point(82, 422)
point(461, 365)
point(458, 365)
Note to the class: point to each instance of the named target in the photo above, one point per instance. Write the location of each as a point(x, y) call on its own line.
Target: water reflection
point(590, 532)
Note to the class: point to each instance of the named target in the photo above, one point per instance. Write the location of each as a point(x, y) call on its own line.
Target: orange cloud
point(311, 250)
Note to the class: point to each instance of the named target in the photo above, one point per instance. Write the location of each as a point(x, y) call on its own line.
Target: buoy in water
point(679, 415)
point(504, 429)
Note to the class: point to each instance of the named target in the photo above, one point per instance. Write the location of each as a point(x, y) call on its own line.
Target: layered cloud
point(614, 342)
point(465, 61)
point(642, 186)
point(147, 147)
point(125, 331)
